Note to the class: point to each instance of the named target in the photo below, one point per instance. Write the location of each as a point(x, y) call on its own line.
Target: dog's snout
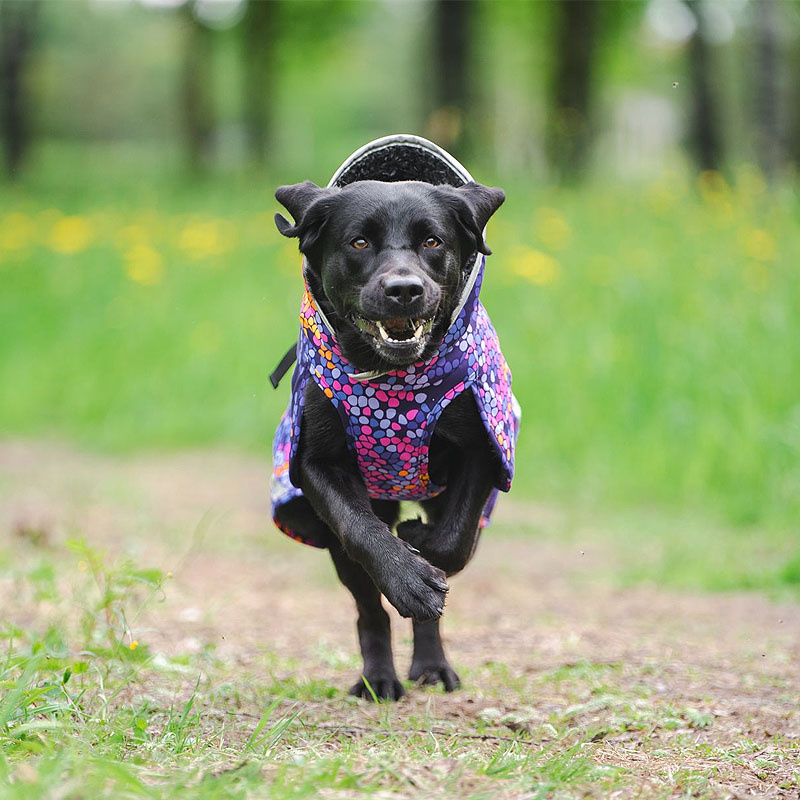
point(403, 289)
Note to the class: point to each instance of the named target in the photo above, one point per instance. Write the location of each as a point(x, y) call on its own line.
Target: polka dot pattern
point(389, 420)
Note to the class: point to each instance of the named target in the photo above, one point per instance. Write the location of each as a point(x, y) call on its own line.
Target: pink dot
point(393, 402)
point(411, 413)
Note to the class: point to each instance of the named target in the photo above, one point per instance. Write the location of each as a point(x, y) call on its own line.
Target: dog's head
point(386, 261)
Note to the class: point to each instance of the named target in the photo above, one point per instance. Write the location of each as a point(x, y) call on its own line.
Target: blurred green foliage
point(650, 316)
point(652, 332)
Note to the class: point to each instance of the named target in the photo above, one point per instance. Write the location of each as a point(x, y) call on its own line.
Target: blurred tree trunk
point(197, 108)
point(17, 29)
point(449, 122)
point(569, 123)
point(768, 137)
point(705, 139)
point(259, 35)
point(793, 122)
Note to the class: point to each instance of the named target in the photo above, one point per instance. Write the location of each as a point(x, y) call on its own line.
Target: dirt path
point(667, 684)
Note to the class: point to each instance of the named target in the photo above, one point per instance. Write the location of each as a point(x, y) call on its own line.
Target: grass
point(96, 716)
point(83, 714)
point(101, 695)
point(646, 327)
point(685, 551)
point(652, 330)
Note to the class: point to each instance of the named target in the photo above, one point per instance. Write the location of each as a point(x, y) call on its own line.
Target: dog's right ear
point(309, 205)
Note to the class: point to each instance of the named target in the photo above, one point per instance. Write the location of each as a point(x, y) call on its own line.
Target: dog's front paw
point(417, 589)
point(415, 532)
point(430, 674)
point(431, 544)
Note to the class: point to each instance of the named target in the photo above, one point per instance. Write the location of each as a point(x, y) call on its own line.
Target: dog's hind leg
point(429, 664)
point(374, 633)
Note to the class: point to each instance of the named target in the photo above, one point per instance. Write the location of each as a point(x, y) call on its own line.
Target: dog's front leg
point(338, 495)
point(414, 587)
point(450, 539)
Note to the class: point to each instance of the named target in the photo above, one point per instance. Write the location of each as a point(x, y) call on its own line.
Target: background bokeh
point(644, 282)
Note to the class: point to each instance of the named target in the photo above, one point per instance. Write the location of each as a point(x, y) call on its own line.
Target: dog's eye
point(360, 243)
point(432, 242)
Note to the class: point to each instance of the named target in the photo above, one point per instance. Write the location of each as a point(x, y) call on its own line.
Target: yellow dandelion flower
point(206, 238)
point(70, 235)
point(130, 235)
point(16, 231)
point(758, 244)
point(713, 187)
point(133, 645)
point(144, 265)
point(535, 266)
point(717, 194)
point(551, 228)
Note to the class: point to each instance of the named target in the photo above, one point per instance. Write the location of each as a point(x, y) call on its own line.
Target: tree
point(704, 137)
point(451, 41)
point(765, 90)
point(569, 123)
point(196, 81)
point(793, 123)
point(17, 30)
point(258, 41)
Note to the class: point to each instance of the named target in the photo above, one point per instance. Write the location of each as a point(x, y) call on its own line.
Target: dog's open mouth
point(397, 331)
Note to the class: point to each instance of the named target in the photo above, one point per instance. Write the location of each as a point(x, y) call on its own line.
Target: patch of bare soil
point(665, 684)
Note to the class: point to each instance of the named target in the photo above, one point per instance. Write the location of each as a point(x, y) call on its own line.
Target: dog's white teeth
point(384, 334)
point(419, 328)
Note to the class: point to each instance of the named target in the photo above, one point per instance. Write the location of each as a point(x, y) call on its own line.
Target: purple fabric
point(389, 420)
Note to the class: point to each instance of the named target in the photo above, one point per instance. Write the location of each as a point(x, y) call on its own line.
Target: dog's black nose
point(403, 289)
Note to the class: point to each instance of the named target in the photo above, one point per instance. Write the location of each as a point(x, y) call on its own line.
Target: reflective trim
point(405, 139)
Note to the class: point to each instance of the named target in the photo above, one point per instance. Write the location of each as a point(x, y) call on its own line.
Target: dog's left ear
point(309, 205)
point(474, 205)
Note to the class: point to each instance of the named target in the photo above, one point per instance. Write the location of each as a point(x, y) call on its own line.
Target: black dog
point(387, 264)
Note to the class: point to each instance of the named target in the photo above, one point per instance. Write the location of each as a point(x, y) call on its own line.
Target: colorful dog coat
point(389, 418)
